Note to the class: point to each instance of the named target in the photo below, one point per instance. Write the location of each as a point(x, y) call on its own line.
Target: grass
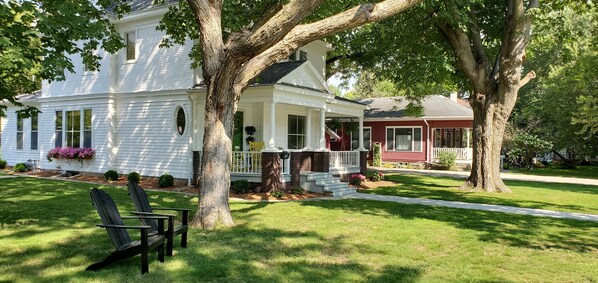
point(48, 235)
point(590, 172)
point(552, 196)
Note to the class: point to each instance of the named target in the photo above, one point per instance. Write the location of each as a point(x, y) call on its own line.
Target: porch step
point(324, 182)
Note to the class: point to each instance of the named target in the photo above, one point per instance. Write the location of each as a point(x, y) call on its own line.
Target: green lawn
point(552, 196)
point(590, 172)
point(48, 235)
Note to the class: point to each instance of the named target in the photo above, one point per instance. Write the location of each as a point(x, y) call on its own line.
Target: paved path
point(505, 176)
point(475, 206)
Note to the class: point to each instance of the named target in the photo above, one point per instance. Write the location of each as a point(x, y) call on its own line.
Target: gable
point(306, 76)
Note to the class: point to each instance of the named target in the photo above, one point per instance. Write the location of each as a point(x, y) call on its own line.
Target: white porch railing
point(461, 153)
point(344, 159)
point(250, 162)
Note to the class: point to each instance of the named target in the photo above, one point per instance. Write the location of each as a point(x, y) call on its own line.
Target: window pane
point(292, 142)
point(301, 125)
point(302, 55)
point(87, 139)
point(403, 139)
point(76, 139)
point(34, 122)
point(417, 139)
point(69, 139)
point(58, 120)
point(300, 142)
point(367, 138)
point(19, 140)
point(87, 119)
point(292, 124)
point(33, 140)
point(58, 139)
point(77, 120)
point(69, 121)
point(389, 139)
point(130, 38)
point(19, 122)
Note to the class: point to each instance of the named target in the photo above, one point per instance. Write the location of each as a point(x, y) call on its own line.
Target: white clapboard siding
point(10, 153)
point(146, 138)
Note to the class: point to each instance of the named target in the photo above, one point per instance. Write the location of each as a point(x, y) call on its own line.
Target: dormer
point(315, 53)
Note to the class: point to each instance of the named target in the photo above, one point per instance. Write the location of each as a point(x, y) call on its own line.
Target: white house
point(144, 110)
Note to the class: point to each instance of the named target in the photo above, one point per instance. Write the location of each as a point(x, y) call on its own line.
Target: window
point(302, 55)
point(367, 138)
point(403, 139)
point(296, 138)
point(73, 129)
point(180, 120)
point(131, 39)
point(86, 127)
point(58, 129)
point(19, 131)
point(34, 125)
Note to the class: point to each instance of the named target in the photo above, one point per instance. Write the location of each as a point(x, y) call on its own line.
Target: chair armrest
point(168, 208)
point(122, 226)
point(144, 217)
point(151, 213)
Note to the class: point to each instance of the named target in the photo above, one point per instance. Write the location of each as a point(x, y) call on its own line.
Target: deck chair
point(143, 207)
point(255, 160)
point(256, 146)
point(125, 247)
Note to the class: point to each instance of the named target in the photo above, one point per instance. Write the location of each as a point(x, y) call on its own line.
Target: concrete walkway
point(475, 206)
point(504, 175)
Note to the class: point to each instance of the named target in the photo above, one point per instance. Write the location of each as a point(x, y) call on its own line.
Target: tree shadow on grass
point(509, 229)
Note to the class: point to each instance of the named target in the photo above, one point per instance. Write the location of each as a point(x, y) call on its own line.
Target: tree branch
point(303, 34)
point(478, 47)
point(529, 76)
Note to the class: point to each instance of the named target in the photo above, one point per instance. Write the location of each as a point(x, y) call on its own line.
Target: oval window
point(180, 121)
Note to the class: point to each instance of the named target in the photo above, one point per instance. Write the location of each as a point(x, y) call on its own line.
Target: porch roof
point(435, 107)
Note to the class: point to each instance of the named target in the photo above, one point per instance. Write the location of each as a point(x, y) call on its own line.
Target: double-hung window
point(296, 136)
point(404, 139)
point(20, 131)
point(131, 41)
point(34, 127)
point(75, 130)
point(367, 138)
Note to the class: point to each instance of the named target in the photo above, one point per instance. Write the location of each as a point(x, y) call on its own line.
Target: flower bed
point(68, 153)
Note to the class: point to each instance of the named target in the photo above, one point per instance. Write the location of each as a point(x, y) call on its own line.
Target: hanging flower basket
point(70, 153)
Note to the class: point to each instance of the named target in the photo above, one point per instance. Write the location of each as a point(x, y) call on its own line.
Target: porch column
point(467, 133)
point(270, 125)
point(322, 129)
point(308, 140)
point(361, 148)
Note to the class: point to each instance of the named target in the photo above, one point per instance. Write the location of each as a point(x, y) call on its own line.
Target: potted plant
point(250, 130)
point(249, 139)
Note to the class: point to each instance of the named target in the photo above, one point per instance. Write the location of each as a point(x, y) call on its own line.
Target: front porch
point(453, 140)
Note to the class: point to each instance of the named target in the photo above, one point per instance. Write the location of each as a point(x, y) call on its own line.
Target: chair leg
point(170, 236)
point(144, 252)
point(184, 240)
point(161, 253)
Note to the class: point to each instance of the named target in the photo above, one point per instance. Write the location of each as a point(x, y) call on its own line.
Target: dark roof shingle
point(435, 106)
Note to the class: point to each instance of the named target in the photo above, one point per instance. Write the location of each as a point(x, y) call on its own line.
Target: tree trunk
point(216, 158)
point(490, 112)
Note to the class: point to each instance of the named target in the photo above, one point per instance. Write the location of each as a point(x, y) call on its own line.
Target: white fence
point(250, 162)
point(344, 159)
point(461, 153)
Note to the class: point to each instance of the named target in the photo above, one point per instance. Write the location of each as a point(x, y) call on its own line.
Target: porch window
point(367, 138)
point(296, 128)
point(34, 125)
point(58, 129)
point(19, 131)
point(404, 139)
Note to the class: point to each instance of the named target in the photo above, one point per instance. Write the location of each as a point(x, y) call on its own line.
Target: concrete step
point(336, 186)
point(311, 176)
point(343, 192)
point(322, 182)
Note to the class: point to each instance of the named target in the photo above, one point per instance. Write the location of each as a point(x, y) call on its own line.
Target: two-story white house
point(143, 111)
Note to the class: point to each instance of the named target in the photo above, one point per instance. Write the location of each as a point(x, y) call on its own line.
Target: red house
point(445, 126)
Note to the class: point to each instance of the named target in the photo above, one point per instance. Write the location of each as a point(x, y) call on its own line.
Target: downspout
point(427, 140)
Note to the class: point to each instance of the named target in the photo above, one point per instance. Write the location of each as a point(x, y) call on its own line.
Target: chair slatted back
point(109, 214)
point(142, 204)
point(256, 146)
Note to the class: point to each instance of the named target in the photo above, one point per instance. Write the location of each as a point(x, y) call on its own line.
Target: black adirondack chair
point(143, 207)
point(117, 231)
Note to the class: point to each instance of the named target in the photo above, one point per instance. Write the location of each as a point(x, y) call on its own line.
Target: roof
point(274, 73)
point(348, 100)
point(138, 5)
point(435, 106)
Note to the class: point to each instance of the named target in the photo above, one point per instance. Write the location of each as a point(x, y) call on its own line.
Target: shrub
point(297, 190)
point(20, 167)
point(377, 151)
point(447, 159)
point(377, 176)
point(240, 186)
point(356, 179)
point(2, 164)
point(134, 177)
point(277, 194)
point(111, 175)
point(166, 180)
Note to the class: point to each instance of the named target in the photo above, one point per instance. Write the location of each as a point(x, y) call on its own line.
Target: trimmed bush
point(447, 159)
point(111, 175)
point(166, 180)
point(2, 164)
point(277, 194)
point(297, 190)
point(20, 167)
point(240, 186)
point(134, 177)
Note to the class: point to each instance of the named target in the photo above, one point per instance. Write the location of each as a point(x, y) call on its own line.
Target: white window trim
point(81, 126)
point(304, 135)
point(136, 32)
point(21, 131)
point(188, 125)
point(31, 132)
point(370, 141)
point(412, 140)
